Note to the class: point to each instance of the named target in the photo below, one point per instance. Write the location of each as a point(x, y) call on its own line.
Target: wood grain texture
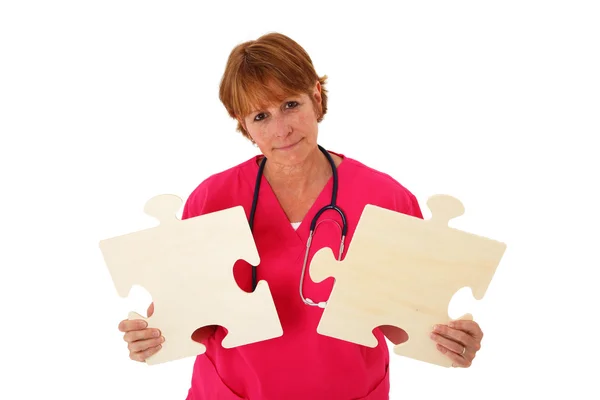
point(187, 267)
point(403, 271)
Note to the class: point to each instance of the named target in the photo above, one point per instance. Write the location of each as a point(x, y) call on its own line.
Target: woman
point(271, 88)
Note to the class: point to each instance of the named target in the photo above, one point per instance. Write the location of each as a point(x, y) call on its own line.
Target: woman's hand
point(460, 341)
point(142, 341)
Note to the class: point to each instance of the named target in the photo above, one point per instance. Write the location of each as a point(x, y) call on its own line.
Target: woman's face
point(286, 133)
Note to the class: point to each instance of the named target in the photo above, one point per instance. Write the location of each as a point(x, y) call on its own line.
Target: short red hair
point(254, 68)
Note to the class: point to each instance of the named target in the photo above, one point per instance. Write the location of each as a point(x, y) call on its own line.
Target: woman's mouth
point(288, 147)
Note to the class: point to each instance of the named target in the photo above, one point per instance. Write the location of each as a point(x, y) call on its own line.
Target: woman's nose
point(282, 127)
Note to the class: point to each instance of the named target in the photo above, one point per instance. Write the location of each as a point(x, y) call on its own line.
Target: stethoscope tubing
point(313, 225)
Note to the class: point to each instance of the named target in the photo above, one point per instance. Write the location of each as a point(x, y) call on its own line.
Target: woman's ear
point(317, 100)
point(317, 93)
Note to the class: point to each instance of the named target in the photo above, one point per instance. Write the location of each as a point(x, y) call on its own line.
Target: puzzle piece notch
point(403, 271)
point(187, 267)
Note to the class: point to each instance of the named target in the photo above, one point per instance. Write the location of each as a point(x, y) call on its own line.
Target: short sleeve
point(196, 203)
point(407, 203)
point(415, 209)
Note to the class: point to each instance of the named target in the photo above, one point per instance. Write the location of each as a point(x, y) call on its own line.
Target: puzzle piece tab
point(403, 271)
point(187, 266)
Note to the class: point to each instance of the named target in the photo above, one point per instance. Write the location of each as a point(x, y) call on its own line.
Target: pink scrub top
point(301, 364)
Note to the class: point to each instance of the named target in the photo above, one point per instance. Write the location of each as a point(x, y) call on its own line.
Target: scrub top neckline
point(268, 201)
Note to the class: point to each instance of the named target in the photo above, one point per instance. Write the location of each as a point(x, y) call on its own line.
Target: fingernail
point(155, 333)
point(451, 324)
point(437, 328)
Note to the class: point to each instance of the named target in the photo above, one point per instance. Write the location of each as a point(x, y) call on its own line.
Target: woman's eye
point(288, 105)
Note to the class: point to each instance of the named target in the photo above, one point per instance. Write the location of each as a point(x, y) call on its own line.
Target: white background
point(104, 104)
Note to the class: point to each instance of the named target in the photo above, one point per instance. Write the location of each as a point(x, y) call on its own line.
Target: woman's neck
point(299, 178)
point(298, 187)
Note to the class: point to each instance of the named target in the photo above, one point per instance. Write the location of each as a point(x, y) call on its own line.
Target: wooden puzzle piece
point(403, 271)
point(187, 266)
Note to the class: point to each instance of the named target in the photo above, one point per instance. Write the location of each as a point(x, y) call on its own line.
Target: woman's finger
point(143, 334)
point(457, 360)
point(128, 325)
point(468, 326)
point(456, 335)
point(141, 356)
point(143, 345)
point(451, 345)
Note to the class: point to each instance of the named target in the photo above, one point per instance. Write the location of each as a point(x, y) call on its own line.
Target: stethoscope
point(313, 224)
